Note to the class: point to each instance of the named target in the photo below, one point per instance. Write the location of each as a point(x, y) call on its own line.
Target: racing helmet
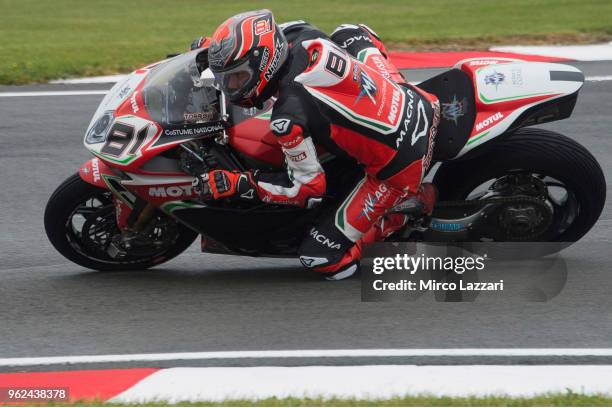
point(246, 54)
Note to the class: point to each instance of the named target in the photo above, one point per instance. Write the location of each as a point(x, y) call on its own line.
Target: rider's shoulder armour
point(327, 64)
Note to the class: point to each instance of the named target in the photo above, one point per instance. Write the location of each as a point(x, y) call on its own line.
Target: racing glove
point(218, 184)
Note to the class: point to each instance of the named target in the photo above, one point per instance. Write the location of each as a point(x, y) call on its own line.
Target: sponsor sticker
point(95, 168)
point(298, 157)
point(395, 101)
point(196, 116)
point(354, 39)
point(124, 92)
point(489, 121)
point(133, 102)
point(278, 51)
point(479, 63)
point(381, 65)
point(194, 131)
point(171, 191)
point(280, 125)
point(323, 240)
point(264, 59)
point(517, 77)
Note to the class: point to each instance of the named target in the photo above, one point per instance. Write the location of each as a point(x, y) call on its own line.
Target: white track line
point(91, 80)
point(104, 92)
point(599, 78)
point(587, 52)
point(211, 355)
point(53, 93)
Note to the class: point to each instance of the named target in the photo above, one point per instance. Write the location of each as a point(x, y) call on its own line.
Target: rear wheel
point(532, 162)
point(80, 223)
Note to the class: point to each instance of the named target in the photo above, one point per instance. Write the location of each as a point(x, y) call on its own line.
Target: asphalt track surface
point(197, 302)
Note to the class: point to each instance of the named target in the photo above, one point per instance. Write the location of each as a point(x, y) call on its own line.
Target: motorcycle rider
point(340, 92)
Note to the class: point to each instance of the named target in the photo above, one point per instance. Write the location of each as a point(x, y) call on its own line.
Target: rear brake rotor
point(523, 219)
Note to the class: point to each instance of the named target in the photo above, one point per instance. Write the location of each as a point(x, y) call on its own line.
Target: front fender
point(93, 170)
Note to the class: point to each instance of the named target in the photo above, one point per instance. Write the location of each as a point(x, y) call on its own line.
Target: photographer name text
point(432, 284)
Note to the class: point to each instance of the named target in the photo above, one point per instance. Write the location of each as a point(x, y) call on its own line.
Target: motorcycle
point(132, 205)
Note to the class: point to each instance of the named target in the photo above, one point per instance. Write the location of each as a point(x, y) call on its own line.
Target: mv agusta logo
point(322, 239)
point(454, 109)
point(172, 191)
point(367, 86)
point(494, 78)
point(370, 202)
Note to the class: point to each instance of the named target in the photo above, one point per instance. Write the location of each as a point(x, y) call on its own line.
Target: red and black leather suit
point(341, 92)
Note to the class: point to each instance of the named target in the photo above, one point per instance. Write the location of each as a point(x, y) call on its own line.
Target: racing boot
point(421, 203)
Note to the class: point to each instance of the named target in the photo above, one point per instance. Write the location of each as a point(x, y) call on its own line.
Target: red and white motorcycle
point(132, 205)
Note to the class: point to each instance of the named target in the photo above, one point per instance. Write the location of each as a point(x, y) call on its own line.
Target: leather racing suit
point(343, 93)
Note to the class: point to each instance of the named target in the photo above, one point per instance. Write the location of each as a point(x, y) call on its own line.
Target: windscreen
point(172, 94)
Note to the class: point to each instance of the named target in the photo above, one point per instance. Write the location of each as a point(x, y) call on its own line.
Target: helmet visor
point(234, 81)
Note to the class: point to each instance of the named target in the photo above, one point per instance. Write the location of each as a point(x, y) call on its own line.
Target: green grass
point(46, 39)
point(549, 400)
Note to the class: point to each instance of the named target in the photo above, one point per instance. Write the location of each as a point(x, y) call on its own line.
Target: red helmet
point(246, 54)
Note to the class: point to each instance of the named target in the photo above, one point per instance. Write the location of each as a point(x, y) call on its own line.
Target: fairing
point(154, 109)
point(506, 88)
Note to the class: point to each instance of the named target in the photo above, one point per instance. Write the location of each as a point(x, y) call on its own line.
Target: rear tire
point(537, 151)
point(58, 226)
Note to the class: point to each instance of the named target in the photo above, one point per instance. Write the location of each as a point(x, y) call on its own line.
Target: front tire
point(75, 197)
point(543, 153)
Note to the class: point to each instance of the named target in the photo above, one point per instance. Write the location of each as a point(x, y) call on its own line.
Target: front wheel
point(80, 223)
point(532, 162)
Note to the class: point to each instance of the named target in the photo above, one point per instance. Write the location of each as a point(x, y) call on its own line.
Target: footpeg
point(115, 251)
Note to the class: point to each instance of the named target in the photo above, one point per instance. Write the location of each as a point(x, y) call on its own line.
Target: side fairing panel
point(517, 81)
point(505, 88)
point(119, 93)
point(253, 138)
